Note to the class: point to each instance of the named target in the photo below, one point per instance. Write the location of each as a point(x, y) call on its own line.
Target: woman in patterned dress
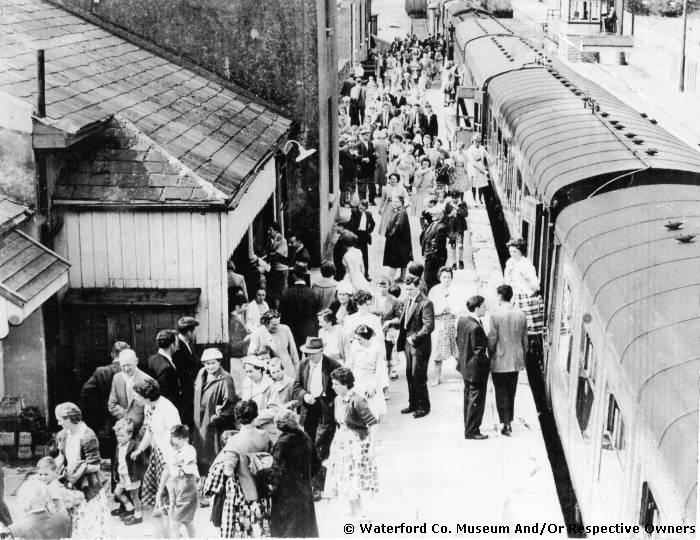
point(352, 470)
point(245, 513)
point(446, 341)
point(392, 189)
point(160, 415)
point(521, 275)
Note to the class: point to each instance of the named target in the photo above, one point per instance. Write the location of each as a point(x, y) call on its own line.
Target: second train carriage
point(562, 146)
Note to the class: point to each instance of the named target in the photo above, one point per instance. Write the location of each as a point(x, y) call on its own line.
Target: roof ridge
point(143, 43)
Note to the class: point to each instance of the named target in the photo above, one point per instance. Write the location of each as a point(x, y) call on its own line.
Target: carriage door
point(465, 122)
point(531, 212)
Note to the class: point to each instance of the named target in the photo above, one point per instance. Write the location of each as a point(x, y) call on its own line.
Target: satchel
point(260, 465)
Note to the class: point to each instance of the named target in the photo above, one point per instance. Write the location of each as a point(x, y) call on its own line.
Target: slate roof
point(26, 267)
point(11, 213)
point(124, 166)
point(91, 74)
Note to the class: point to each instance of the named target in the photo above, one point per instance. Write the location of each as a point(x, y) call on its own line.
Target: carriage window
point(584, 10)
point(614, 436)
point(565, 337)
point(649, 513)
point(586, 383)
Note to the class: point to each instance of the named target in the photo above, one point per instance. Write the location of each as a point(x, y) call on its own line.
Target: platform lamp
point(303, 152)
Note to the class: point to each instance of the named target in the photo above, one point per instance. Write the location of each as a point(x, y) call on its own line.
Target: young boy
point(62, 498)
point(129, 473)
point(181, 477)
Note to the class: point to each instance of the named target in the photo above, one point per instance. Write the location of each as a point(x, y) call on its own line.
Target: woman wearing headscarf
point(392, 189)
point(214, 402)
point(296, 462)
point(343, 305)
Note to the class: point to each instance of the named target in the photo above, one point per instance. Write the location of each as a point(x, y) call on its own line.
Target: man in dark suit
point(299, 306)
point(314, 389)
point(365, 166)
point(415, 326)
point(434, 246)
point(348, 84)
point(473, 364)
point(348, 171)
point(384, 117)
point(507, 346)
point(432, 128)
point(94, 397)
point(417, 120)
point(399, 99)
point(345, 235)
point(161, 367)
point(187, 366)
point(362, 224)
point(298, 254)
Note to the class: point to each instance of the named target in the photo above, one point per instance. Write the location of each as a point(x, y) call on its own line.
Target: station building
point(134, 175)
point(293, 53)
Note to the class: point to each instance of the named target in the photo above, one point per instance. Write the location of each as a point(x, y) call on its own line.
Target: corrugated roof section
point(91, 74)
point(562, 142)
point(645, 293)
point(489, 56)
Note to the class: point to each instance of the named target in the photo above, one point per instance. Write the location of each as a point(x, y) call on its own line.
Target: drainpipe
point(42, 190)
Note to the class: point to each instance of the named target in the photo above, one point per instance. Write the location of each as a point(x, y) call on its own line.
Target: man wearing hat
point(365, 165)
point(187, 366)
point(300, 305)
point(314, 390)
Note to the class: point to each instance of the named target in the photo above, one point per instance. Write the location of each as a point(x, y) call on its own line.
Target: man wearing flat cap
point(187, 366)
point(300, 305)
point(314, 390)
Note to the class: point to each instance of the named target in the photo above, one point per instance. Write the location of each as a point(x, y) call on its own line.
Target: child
point(391, 335)
point(458, 226)
point(62, 499)
point(181, 477)
point(128, 472)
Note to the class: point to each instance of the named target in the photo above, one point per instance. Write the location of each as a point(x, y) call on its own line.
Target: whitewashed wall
point(163, 249)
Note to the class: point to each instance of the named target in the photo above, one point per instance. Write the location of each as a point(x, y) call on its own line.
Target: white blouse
point(162, 418)
point(522, 276)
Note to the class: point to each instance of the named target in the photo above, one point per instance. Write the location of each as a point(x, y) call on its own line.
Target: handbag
point(260, 465)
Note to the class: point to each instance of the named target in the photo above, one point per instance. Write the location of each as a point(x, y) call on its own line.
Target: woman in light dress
point(366, 360)
point(343, 305)
point(354, 265)
point(278, 338)
point(256, 309)
point(442, 296)
point(406, 165)
point(460, 179)
point(332, 335)
point(422, 185)
point(477, 157)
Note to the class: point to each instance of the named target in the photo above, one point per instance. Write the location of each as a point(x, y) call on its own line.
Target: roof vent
point(614, 122)
point(643, 115)
point(651, 151)
point(685, 238)
point(619, 126)
point(673, 225)
point(605, 115)
point(653, 121)
point(630, 135)
point(637, 141)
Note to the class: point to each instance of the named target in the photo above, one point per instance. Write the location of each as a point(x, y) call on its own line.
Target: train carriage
point(569, 157)
point(624, 377)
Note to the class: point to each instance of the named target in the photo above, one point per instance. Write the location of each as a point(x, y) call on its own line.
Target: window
point(614, 432)
point(584, 10)
point(586, 383)
point(565, 337)
point(649, 513)
point(329, 18)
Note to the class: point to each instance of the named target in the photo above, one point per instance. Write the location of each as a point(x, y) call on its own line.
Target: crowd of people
point(286, 412)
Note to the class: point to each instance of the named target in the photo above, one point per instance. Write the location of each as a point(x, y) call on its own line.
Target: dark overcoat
point(398, 251)
point(296, 463)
